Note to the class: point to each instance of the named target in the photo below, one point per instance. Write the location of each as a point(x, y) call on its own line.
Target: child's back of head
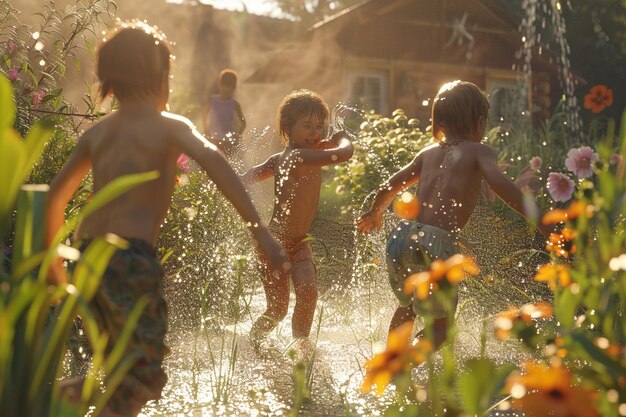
point(457, 110)
point(134, 63)
point(297, 104)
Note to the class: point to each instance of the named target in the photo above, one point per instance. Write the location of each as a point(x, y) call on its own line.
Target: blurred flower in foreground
point(454, 269)
point(400, 355)
point(506, 320)
point(598, 98)
point(552, 274)
point(581, 160)
point(535, 163)
point(560, 186)
point(575, 210)
point(11, 45)
point(544, 390)
point(406, 206)
point(562, 243)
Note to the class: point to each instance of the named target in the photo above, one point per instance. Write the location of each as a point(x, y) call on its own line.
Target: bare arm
point(261, 172)
point(227, 181)
point(506, 189)
point(340, 152)
point(406, 177)
point(61, 191)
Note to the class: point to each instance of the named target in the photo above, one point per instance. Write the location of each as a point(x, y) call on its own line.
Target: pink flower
point(183, 163)
point(11, 45)
point(37, 97)
point(13, 73)
point(580, 161)
point(560, 186)
point(616, 158)
point(535, 163)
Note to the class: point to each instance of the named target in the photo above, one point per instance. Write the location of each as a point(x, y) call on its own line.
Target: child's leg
point(401, 316)
point(305, 286)
point(276, 286)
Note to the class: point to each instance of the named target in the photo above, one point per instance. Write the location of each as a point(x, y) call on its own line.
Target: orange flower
point(401, 355)
point(505, 321)
point(406, 206)
point(552, 274)
point(454, 269)
point(562, 243)
point(598, 98)
point(575, 210)
point(547, 391)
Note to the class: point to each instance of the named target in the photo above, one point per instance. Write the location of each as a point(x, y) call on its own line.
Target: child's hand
point(369, 221)
point(338, 135)
point(271, 250)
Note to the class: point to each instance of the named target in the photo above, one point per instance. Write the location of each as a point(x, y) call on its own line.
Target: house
point(388, 54)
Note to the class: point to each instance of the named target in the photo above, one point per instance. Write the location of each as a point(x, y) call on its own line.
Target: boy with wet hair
point(301, 118)
point(223, 118)
point(450, 174)
point(133, 65)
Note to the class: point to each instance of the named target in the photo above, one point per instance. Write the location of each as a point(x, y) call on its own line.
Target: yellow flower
point(562, 243)
point(401, 355)
point(552, 274)
point(544, 390)
point(527, 313)
point(575, 210)
point(454, 269)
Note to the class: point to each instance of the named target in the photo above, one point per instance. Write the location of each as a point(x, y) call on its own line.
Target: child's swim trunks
point(410, 249)
point(132, 274)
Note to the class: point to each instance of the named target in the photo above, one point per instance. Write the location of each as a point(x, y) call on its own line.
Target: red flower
point(598, 98)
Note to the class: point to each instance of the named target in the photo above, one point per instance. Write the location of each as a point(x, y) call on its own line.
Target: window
point(368, 90)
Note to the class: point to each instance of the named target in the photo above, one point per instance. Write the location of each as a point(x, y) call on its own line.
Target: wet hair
point(228, 78)
point(133, 62)
point(296, 104)
point(457, 109)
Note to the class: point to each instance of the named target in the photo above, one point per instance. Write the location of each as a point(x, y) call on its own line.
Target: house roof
point(409, 30)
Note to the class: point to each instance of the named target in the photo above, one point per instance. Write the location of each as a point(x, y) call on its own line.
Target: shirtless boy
point(302, 116)
point(450, 173)
point(133, 65)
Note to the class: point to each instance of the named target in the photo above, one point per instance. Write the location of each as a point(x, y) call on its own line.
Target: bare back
point(131, 143)
point(297, 193)
point(449, 184)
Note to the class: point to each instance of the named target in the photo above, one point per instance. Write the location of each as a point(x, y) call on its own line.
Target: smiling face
point(307, 131)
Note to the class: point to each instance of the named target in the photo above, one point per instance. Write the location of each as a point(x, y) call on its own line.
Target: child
point(133, 65)
point(450, 174)
point(222, 118)
point(302, 116)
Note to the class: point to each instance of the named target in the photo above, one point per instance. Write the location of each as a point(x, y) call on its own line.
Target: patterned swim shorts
point(410, 249)
point(131, 274)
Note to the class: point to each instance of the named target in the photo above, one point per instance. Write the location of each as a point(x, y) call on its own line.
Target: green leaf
point(7, 104)
point(12, 160)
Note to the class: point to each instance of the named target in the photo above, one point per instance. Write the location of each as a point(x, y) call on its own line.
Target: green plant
point(33, 347)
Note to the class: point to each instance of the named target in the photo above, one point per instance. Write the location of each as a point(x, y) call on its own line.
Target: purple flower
point(183, 163)
point(13, 73)
point(535, 163)
point(11, 45)
point(37, 97)
point(560, 186)
point(616, 158)
point(580, 161)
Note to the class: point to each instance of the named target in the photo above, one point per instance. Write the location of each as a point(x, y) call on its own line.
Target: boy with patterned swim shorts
point(449, 176)
point(133, 65)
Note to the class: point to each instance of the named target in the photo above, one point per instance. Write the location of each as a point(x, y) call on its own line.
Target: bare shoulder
point(176, 121)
